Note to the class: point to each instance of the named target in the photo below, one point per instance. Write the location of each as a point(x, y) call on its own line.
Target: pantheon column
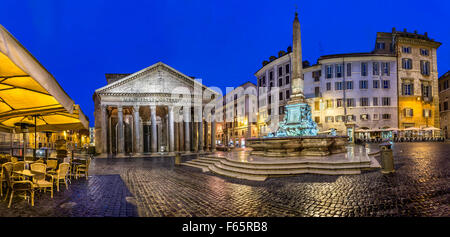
point(171, 130)
point(186, 121)
point(213, 133)
point(137, 129)
point(104, 140)
point(200, 129)
point(206, 135)
point(120, 134)
point(153, 121)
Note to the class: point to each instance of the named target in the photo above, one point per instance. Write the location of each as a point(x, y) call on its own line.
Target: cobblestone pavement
point(155, 187)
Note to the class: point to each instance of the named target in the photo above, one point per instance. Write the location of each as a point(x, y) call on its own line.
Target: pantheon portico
point(155, 111)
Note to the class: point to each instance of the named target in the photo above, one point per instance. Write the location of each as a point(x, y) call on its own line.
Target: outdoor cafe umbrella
point(29, 94)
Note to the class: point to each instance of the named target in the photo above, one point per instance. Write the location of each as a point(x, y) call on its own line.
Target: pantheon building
point(155, 111)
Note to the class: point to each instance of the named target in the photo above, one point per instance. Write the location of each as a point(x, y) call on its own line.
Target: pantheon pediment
point(158, 78)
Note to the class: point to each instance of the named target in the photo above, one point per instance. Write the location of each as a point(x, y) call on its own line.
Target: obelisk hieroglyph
point(297, 67)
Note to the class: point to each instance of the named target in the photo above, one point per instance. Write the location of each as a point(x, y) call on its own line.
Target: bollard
point(387, 158)
point(177, 158)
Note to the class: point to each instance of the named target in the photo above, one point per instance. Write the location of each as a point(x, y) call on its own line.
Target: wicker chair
point(39, 181)
point(83, 169)
point(6, 167)
point(18, 186)
point(18, 166)
point(52, 165)
point(61, 174)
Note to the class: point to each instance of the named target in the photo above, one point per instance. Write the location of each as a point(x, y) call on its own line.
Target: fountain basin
point(297, 146)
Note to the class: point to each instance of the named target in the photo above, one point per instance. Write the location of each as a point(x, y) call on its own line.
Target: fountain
point(297, 133)
point(295, 147)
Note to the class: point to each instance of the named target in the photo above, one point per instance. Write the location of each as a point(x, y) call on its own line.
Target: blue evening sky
point(222, 42)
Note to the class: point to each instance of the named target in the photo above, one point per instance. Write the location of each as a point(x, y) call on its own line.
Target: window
point(427, 113)
point(376, 84)
point(329, 119)
point(339, 103)
point(407, 89)
point(287, 94)
point(380, 45)
point(406, 63)
point(363, 84)
point(338, 86)
point(328, 86)
point(270, 76)
point(287, 80)
point(351, 118)
point(317, 119)
point(340, 118)
point(281, 110)
point(445, 105)
point(364, 101)
point(349, 69)
point(280, 81)
point(386, 101)
point(375, 101)
point(350, 102)
point(287, 68)
point(349, 85)
point(316, 75)
point(385, 68)
point(426, 91)
point(425, 67)
point(316, 105)
point(364, 117)
point(329, 104)
point(424, 52)
point(264, 80)
point(406, 49)
point(317, 91)
point(386, 116)
point(408, 112)
point(329, 71)
point(375, 68)
point(375, 117)
point(386, 84)
point(269, 112)
point(280, 71)
point(363, 69)
point(270, 99)
point(338, 70)
point(281, 95)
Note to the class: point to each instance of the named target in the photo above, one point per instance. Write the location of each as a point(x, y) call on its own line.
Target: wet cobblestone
point(155, 187)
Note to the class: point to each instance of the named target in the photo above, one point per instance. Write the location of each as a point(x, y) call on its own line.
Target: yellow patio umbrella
point(29, 94)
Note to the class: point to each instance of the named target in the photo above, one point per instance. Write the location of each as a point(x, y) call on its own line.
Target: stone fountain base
point(297, 146)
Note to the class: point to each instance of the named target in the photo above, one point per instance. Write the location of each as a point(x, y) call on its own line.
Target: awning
point(431, 129)
point(412, 129)
point(50, 120)
point(28, 89)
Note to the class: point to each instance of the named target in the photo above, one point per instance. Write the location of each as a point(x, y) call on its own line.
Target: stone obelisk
point(298, 120)
point(297, 67)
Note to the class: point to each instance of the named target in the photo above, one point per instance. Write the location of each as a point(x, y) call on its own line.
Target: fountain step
point(290, 171)
point(261, 175)
point(293, 166)
point(259, 171)
point(224, 172)
point(201, 166)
